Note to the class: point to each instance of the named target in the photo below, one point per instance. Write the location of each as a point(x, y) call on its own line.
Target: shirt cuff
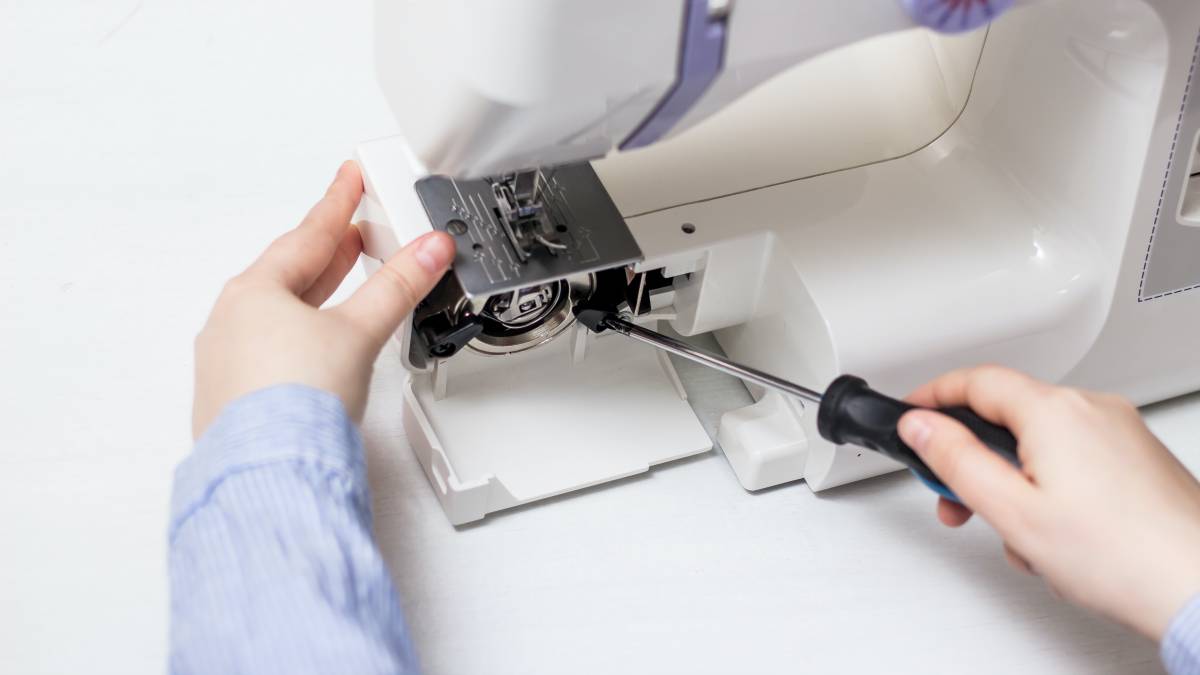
point(286, 423)
point(1180, 648)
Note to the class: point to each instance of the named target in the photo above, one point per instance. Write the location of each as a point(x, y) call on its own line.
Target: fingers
point(343, 261)
point(952, 514)
point(391, 293)
point(1017, 561)
point(986, 483)
point(299, 257)
point(998, 394)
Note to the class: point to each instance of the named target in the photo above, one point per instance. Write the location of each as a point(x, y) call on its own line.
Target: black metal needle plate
point(587, 227)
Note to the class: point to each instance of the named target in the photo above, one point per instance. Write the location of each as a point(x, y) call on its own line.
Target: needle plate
point(586, 224)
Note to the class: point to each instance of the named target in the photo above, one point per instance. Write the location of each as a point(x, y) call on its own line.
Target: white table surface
point(148, 150)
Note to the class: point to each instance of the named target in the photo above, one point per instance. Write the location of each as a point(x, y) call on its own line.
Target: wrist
point(1167, 591)
point(1179, 647)
point(1179, 601)
point(286, 423)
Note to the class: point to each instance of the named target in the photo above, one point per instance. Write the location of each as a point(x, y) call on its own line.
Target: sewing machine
point(822, 185)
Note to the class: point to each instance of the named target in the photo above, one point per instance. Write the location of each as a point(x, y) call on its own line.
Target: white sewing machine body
point(898, 204)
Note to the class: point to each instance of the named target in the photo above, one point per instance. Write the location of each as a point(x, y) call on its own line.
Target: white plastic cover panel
point(518, 428)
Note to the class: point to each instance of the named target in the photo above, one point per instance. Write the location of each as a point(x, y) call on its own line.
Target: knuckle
point(1119, 404)
point(347, 254)
point(338, 200)
point(234, 287)
point(364, 333)
point(1070, 399)
point(282, 243)
point(946, 450)
point(992, 371)
point(1015, 522)
point(985, 377)
point(994, 374)
point(234, 284)
point(949, 466)
point(238, 288)
point(286, 247)
point(402, 285)
point(330, 238)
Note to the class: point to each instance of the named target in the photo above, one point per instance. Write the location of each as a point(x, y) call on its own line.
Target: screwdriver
point(849, 412)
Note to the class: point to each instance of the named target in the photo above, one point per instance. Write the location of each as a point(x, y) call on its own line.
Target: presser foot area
point(531, 246)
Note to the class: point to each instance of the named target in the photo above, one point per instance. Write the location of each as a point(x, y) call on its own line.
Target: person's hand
point(1100, 508)
point(267, 326)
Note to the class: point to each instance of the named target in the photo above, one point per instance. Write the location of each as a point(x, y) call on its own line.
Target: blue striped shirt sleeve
point(1181, 646)
point(273, 568)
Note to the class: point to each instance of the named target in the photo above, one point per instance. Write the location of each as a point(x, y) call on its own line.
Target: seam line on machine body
point(935, 139)
point(1187, 90)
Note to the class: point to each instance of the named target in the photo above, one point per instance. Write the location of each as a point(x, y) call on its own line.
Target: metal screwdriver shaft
point(680, 348)
point(849, 412)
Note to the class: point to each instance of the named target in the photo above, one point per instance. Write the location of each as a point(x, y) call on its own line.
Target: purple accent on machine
point(701, 56)
point(955, 16)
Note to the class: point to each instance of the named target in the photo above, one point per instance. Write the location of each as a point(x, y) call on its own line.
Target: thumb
point(984, 481)
point(392, 292)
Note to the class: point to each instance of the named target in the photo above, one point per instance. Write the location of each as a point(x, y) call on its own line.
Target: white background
point(148, 150)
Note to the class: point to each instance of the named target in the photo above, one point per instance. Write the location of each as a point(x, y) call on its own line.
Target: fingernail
point(914, 431)
point(434, 253)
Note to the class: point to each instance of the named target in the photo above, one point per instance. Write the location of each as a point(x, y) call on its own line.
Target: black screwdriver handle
point(851, 412)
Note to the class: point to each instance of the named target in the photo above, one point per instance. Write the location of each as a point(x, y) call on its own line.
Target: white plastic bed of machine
point(850, 194)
